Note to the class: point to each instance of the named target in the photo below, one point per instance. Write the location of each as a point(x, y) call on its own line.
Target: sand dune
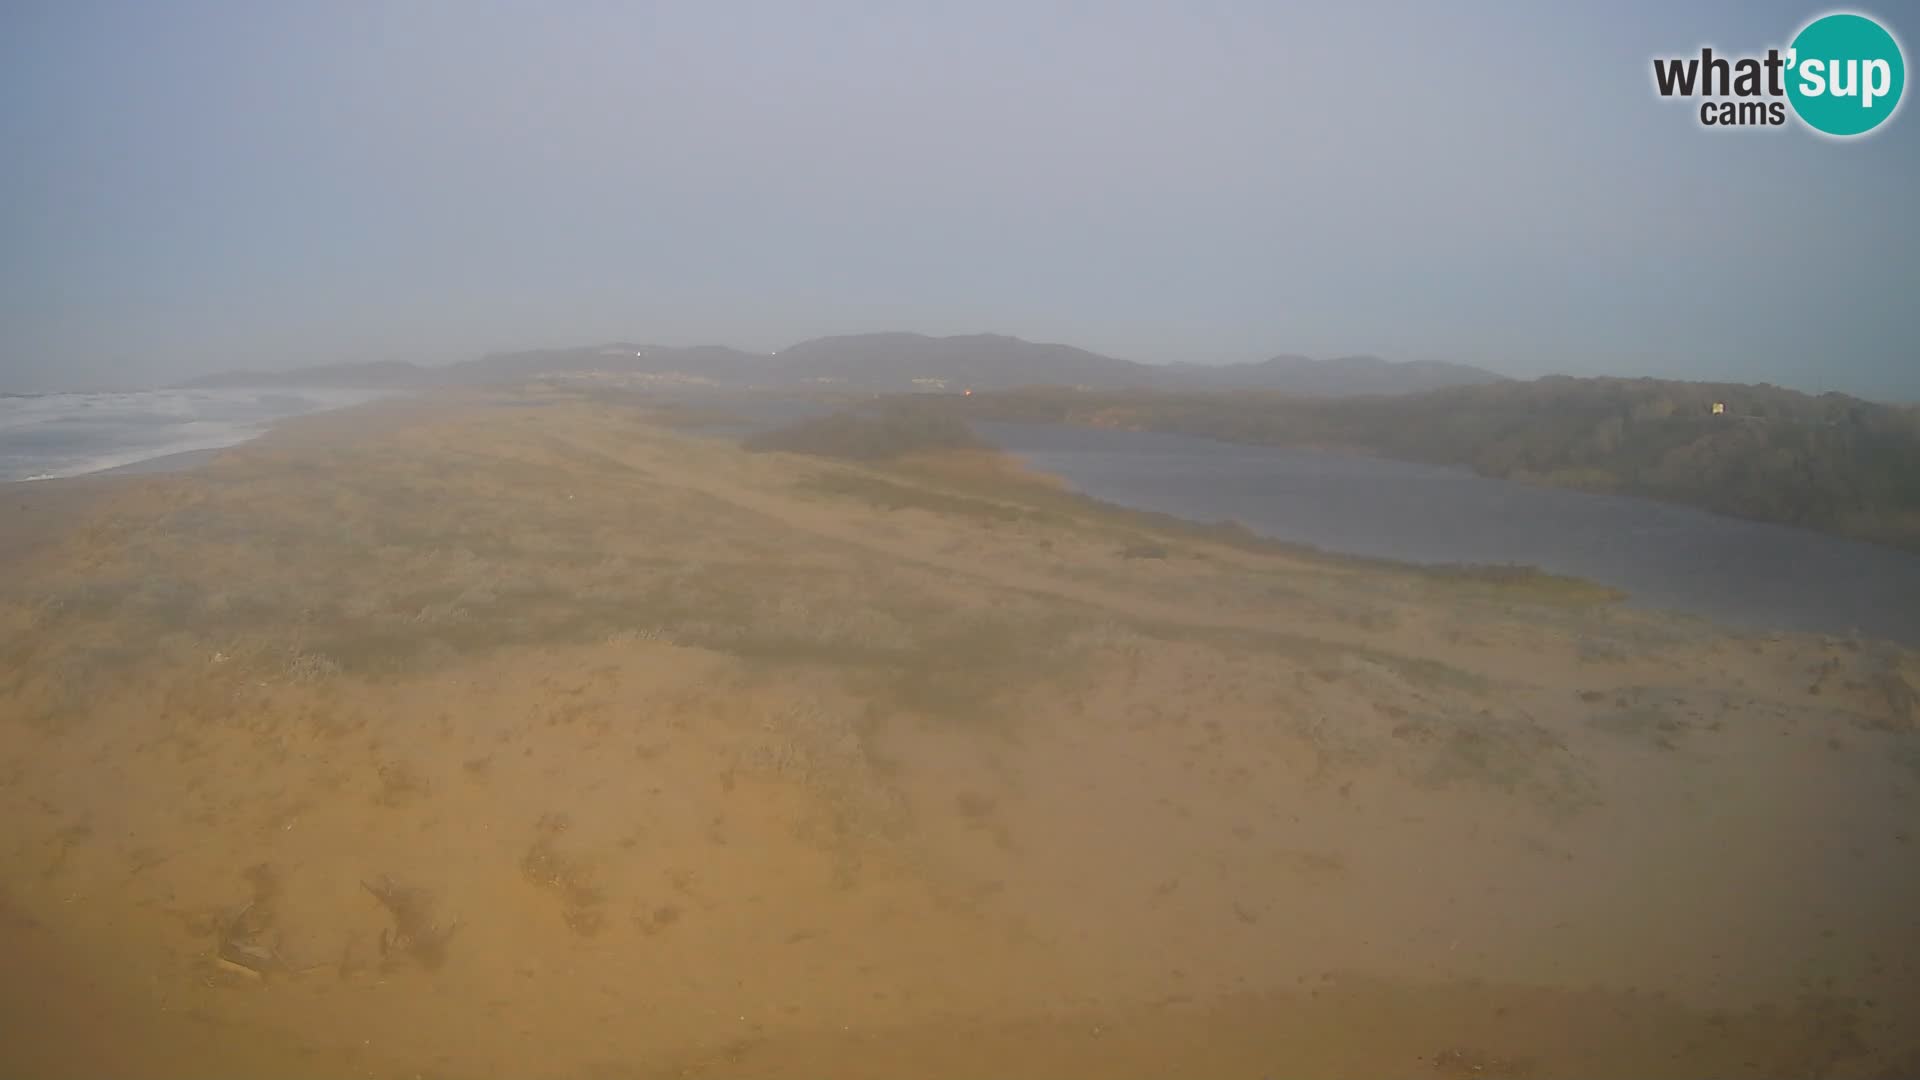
point(534, 737)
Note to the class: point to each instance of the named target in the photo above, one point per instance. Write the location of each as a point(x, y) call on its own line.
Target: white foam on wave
point(205, 440)
point(53, 436)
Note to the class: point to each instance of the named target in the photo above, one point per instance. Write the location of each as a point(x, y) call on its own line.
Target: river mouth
point(1748, 574)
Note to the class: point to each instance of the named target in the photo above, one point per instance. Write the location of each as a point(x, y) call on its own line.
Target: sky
point(195, 186)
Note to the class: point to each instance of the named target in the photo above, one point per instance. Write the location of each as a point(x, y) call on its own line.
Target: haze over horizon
point(213, 186)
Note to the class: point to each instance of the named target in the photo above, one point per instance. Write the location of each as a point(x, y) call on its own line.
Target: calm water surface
point(1757, 575)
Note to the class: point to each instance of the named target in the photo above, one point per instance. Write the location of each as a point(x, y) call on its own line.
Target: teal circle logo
point(1845, 74)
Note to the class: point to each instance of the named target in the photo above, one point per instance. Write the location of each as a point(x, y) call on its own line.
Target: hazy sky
point(190, 186)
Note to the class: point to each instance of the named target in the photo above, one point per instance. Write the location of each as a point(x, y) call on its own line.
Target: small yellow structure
point(1719, 407)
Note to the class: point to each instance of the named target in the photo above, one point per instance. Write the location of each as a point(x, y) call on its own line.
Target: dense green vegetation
point(1829, 462)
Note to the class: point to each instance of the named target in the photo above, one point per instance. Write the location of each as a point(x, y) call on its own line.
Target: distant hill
point(1343, 377)
point(977, 361)
point(1828, 462)
point(893, 362)
point(992, 361)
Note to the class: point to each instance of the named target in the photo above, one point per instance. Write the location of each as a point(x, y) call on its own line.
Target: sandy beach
point(545, 737)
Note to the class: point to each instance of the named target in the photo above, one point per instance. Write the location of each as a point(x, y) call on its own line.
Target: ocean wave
point(50, 436)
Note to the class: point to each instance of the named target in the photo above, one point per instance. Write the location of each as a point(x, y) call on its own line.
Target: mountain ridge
point(888, 361)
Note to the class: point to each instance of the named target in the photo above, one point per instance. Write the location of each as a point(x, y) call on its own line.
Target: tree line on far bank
point(1827, 462)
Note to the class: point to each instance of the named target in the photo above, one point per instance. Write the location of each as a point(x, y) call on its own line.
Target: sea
point(48, 436)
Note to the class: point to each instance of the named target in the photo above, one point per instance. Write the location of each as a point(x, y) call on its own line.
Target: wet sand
point(470, 740)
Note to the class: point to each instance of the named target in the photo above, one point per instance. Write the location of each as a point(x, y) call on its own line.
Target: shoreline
point(178, 461)
point(234, 421)
point(39, 512)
